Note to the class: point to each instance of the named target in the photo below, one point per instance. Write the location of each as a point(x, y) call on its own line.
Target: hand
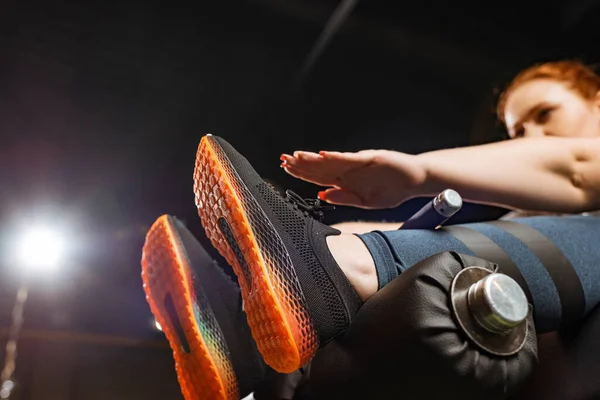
point(366, 179)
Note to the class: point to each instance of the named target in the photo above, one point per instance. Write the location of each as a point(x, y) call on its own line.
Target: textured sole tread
point(203, 367)
point(273, 300)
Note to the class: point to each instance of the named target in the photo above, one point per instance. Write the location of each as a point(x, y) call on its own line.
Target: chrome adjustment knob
point(497, 303)
point(491, 309)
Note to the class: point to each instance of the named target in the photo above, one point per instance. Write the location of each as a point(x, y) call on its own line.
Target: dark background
point(102, 106)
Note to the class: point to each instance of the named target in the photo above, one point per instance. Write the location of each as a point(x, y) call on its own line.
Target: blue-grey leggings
point(555, 259)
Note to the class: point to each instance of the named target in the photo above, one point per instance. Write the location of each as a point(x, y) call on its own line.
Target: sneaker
point(295, 295)
point(199, 309)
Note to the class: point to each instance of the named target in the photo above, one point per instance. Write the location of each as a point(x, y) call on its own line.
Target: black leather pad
point(405, 343)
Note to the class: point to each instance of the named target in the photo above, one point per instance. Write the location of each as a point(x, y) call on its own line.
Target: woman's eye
point(543, 115)
point(520, 132)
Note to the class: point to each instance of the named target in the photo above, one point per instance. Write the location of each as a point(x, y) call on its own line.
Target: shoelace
point(310, 207)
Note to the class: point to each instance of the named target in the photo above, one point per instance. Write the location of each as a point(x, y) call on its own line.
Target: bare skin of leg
point(355, 260)
point(366, 226)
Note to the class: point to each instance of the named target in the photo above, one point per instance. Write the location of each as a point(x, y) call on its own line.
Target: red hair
point(574, 74)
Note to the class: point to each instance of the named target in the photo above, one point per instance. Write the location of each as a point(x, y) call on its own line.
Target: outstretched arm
point(538, 174)
point(541, 174)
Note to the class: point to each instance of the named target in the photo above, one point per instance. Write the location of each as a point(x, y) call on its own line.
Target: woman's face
point(544, 107)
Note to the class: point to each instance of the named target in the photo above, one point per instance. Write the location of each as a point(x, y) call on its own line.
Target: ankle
point(355, 260)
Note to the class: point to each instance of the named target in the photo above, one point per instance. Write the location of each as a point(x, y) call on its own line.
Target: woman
point(553, 110)
point(362, 179)
point(554, 167)
point(302, 282)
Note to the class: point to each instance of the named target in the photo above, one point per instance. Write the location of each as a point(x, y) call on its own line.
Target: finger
point(311, 163)
point(287, 159)
point(307, 156)
point(339, 157)
point(317, 179)
point(332, 155)
point(341, 197)
point(296, 172)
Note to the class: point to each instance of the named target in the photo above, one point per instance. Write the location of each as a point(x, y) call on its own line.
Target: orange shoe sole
point(244, 236)
point(203, 367)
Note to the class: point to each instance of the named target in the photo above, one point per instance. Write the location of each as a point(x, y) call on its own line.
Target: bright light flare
point(41, 248)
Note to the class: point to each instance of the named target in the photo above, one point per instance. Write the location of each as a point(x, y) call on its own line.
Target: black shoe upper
point(330, 298)
point(225, 300)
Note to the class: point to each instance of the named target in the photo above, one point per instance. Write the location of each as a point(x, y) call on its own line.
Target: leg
point(354, 258)
point(297, 297)
point(366, 226)
point(356, 261)
point(554, 258)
